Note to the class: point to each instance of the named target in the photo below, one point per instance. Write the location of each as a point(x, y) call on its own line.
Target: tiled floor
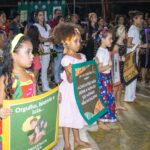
point(131, 132)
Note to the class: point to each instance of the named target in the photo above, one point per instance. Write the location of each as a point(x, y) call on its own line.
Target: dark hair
point(36, 14)
point(33, 34)
point(8, 65)
point(99, 18)
point(57, 19)
point(102, 34)
point(57, 9)
point(135, 13)
point(62, 31)
point(15, 14)
point(118, 17)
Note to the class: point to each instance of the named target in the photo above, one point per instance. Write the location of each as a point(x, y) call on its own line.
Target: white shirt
point(103, 57)
point(135, 34)
point(44, 33)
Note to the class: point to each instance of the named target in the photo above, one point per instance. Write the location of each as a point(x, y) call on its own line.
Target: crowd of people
point(39, 51)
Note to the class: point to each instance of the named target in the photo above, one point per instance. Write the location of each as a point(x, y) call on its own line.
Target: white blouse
point(103, 57)
point(44, 33)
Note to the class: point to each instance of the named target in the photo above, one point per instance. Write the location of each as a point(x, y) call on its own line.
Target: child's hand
point(5, 112)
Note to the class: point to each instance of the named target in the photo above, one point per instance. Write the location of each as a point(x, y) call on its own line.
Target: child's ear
point(64, 43)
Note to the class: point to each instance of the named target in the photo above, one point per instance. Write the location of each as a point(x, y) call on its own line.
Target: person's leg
point(66, 134)
point(115, 93)
point(143, 73)
point(130, 91)
point(45, 59)
point(78, 141)
point(102, 125)
point(118, 104)
point(57, 68)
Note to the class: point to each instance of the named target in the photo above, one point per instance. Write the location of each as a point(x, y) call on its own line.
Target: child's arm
point(68, 70)
point(130, 45)
point(102, 68)
point(4, 112)
point(80, 71)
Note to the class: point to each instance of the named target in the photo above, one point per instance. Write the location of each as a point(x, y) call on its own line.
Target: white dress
point(130, 90)
point(69, 115)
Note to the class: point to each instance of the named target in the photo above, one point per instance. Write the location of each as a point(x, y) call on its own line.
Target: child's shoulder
point(68, 57)
point(31, 74)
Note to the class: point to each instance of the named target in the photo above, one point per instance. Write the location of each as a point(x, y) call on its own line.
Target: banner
point(85, 82)
point(33, 124)
point(115, 69)
point(130, 71)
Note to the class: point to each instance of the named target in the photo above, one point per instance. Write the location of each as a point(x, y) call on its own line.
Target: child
point(70, 117)
point(104, 65)
point(16, 82)
point(134, 38)
point(119, 47)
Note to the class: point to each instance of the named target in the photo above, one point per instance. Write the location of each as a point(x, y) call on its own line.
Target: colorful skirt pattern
point(106, 91)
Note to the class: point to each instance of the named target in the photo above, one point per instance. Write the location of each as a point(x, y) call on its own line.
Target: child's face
point(108, 40)
point(75, 43)
point(138, 20)
point(24, 56)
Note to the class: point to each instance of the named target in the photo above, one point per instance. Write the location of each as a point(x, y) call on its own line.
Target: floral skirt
point(106, 92)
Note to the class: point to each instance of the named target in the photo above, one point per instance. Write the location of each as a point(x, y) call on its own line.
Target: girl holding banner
point(70, 117)
point(16, 82)
point(134, 38)
point(106, 89)
point(118, 56)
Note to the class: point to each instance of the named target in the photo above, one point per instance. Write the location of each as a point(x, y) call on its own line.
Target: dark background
point(83, 7)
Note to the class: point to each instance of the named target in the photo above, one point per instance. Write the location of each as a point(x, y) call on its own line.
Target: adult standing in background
point(91, 33)
point(45, 35)
point(15, 25)
point(53, 21)
point(3, 26)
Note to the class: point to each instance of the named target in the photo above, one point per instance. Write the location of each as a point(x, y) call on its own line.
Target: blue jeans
point(57, 62)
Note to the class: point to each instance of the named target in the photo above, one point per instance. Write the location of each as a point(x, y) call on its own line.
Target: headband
point(15, 41)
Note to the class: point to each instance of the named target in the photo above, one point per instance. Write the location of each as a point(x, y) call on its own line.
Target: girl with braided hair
point(16, 82)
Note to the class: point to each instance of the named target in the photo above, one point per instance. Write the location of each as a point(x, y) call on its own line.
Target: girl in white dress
point(69, 116)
